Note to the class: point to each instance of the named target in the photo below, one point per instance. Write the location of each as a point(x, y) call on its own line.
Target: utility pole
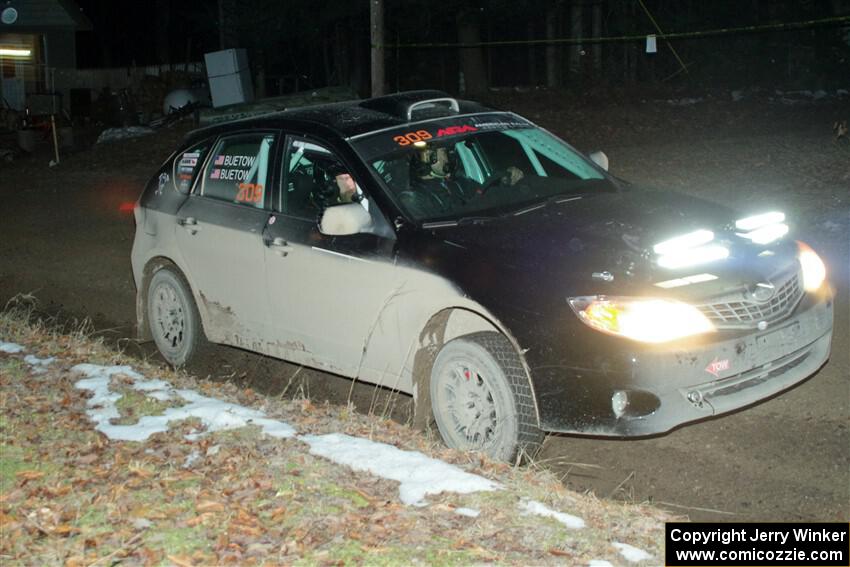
point(376, 16)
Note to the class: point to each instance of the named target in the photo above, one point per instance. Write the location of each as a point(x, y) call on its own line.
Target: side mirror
point(600, 159)
point(343, 220)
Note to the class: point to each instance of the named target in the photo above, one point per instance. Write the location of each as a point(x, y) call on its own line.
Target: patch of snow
point(160, 395)
point(151, 385)
point(35, 361)
point(599, 563)
point(112, 134)
point(418, 474)
point(191, 459)
point(38, 365)
point(10, 348)
point(468, 512)
point(540, 509)
point(215, 414)
point(141, 523)
point(631, 553)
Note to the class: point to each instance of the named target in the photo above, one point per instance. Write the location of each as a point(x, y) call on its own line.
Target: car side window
point(187, 164)
point(313, 178)
point(238, 170)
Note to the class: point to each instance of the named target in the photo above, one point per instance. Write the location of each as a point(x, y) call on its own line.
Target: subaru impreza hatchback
point(478, 263)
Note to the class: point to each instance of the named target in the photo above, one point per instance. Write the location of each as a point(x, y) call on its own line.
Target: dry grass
point(69, 495)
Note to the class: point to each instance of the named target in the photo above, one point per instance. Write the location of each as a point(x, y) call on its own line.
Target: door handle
point(189, 223)
point(280, 246)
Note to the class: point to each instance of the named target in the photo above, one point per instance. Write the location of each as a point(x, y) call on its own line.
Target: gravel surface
point(64, 239)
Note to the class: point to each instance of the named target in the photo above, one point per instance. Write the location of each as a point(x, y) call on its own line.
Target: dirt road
point(64, 239)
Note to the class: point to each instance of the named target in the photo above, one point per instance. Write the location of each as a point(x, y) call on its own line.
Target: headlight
point(814, 270)
point(646, 320)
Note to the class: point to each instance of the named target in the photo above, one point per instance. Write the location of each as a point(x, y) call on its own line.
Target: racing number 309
point(412, 138)
point(250, 193)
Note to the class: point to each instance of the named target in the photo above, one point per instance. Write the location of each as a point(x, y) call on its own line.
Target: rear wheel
point(173, 317)
point(481, 398)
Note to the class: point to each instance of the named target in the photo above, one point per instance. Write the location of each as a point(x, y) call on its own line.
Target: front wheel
point(481, 398)
point(173, 317)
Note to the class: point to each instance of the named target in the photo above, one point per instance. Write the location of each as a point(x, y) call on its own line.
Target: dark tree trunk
point(228, 24)
point(341, 55)
point(358, 74)
point(471, 58)
point(532, 55)
point(376, 17)
point(162, 11)
point(327, 64)
point(596, 32)
point(552, 50)
point(576, 32)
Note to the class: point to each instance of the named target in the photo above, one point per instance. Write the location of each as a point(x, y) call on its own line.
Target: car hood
point(603, 243)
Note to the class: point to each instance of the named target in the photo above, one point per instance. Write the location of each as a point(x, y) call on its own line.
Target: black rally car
point(477, 262)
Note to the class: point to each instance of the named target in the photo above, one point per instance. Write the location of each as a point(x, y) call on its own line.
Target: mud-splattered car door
point(326, 293)
point(219, 234)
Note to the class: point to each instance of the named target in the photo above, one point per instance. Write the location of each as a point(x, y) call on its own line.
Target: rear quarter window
point(187, 164)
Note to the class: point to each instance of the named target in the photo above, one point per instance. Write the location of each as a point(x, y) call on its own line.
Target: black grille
point(748, 313)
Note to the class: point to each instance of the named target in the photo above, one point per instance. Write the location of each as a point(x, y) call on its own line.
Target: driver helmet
point(434, 161)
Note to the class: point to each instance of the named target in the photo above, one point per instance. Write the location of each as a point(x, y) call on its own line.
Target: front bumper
point(667, 387)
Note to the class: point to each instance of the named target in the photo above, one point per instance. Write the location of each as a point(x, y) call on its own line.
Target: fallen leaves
point(230, 497)
point(26, 476)
point(206, 506)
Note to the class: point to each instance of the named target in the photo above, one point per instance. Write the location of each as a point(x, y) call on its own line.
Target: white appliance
point(229, 77)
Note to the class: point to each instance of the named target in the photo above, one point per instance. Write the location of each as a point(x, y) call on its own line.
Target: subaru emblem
point(761, 292)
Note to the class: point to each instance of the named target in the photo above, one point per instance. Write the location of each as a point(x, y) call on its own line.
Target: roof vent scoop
point(430, 106)
point(414, 105)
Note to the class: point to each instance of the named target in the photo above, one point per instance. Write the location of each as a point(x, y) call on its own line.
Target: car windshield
point(468, 169)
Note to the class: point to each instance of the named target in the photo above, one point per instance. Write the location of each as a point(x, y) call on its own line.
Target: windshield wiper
point(457, 222)
point(554, 199)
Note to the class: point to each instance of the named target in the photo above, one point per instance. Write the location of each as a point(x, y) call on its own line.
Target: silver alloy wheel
point(172, 316)
point(469, 404)
point(169, 320)
point(481, 398)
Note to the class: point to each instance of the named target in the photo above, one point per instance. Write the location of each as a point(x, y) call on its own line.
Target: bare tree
point(596, 32)
point(552, 50)
point(471, 58)
point(163, 16)
point(576, 32)
point(228, 22)
point(376, 17)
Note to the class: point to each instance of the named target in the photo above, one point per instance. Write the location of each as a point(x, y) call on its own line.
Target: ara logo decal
point(718, 366)
point(452, 130)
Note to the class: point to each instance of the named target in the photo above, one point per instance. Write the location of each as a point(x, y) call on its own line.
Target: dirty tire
point(481, 398)
point(173, 317)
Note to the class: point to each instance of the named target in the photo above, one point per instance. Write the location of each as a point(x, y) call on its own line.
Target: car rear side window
point(238, 170)
point(187, 164)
